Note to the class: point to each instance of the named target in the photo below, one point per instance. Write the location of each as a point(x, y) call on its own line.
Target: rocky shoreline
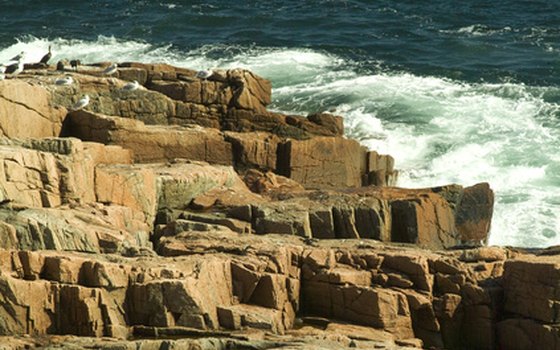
point(184, 214)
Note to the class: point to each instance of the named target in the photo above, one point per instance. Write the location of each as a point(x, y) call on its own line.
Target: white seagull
point(131, 86)
point(81, 103)
point(2, 71)
point(19, 68)
point(19, 56)
point(204, 74)
point(67, 80)
point(111, 69)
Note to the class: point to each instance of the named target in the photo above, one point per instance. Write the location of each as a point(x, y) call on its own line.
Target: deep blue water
point(457, 91)
point(469, 40)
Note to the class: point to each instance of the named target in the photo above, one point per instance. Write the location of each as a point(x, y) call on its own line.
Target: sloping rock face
point(531, 300)
point(185, 214)
point(26, 111)
point(152, 143)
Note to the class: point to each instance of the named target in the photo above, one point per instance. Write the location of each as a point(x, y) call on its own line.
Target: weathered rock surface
point(27, 110)
point(186, 215)
point(340, 162)
point(152, 143)
point(272, 283)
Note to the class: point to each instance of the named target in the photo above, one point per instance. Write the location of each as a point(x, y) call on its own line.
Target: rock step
point(386, 293)
point(340, 162)
point(68, 172)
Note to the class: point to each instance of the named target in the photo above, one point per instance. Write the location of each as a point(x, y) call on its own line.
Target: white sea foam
point(168, 5)
point(479, 30)
point(439, 131)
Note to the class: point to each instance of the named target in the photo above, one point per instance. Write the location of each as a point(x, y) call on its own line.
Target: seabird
point(204, 74)
point(16, 68)
point(131, 86)
point(47, 57)
point(75, 64)
point(19, 56)
point(2, 71)
point(111, 69)
point(67, 80)
point(81, 103)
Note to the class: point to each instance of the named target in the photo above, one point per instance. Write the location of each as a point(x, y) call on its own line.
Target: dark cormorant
point(47, 57)
point(75, 64)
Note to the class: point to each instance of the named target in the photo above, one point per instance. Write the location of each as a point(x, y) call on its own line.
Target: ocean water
point(457, 92)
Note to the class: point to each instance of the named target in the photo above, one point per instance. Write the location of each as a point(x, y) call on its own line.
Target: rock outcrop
point(186, 215)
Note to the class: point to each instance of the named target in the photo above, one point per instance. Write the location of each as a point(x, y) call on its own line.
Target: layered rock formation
point(186, 215)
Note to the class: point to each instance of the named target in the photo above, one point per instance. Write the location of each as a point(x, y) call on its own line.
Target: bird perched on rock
point(74, 64)
point(84, 101)
point(60, 64)
point(111, 69)
point(67, 80)
point(204, 74)
point(47, 57)
point(16, 68)
point(2, 71)
point(131, 86)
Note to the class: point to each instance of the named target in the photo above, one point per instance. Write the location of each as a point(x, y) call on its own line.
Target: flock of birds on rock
point(16, 66)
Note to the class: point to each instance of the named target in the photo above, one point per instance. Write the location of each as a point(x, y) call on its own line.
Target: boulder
point(128, 186)
point(152, 143)
point(240, 316)
point(180, 183)
point(414, 266)
point(281, 218)
point(190, 302)
point(333, 124)
point(380, 170)
point(427, 221)
point(45, 173)
point(27, 110)
point(86, 229)
point(270, 184)
point(531, 288)
point(108, 154)
point(323, 162)
point(374, 307)
point(474, 213)
point(522, 333)
point(27, 306)
point(254, 150)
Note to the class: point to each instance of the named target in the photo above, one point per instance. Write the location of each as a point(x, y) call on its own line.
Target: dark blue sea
point(457, 92)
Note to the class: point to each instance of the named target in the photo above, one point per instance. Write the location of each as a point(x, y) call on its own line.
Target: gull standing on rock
point(131, 86)
point(204, 74)
point(111, 69)
point(19, 56)
point(2, 71)
point(16, 68)
point(84, 101)
point(67, 80)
